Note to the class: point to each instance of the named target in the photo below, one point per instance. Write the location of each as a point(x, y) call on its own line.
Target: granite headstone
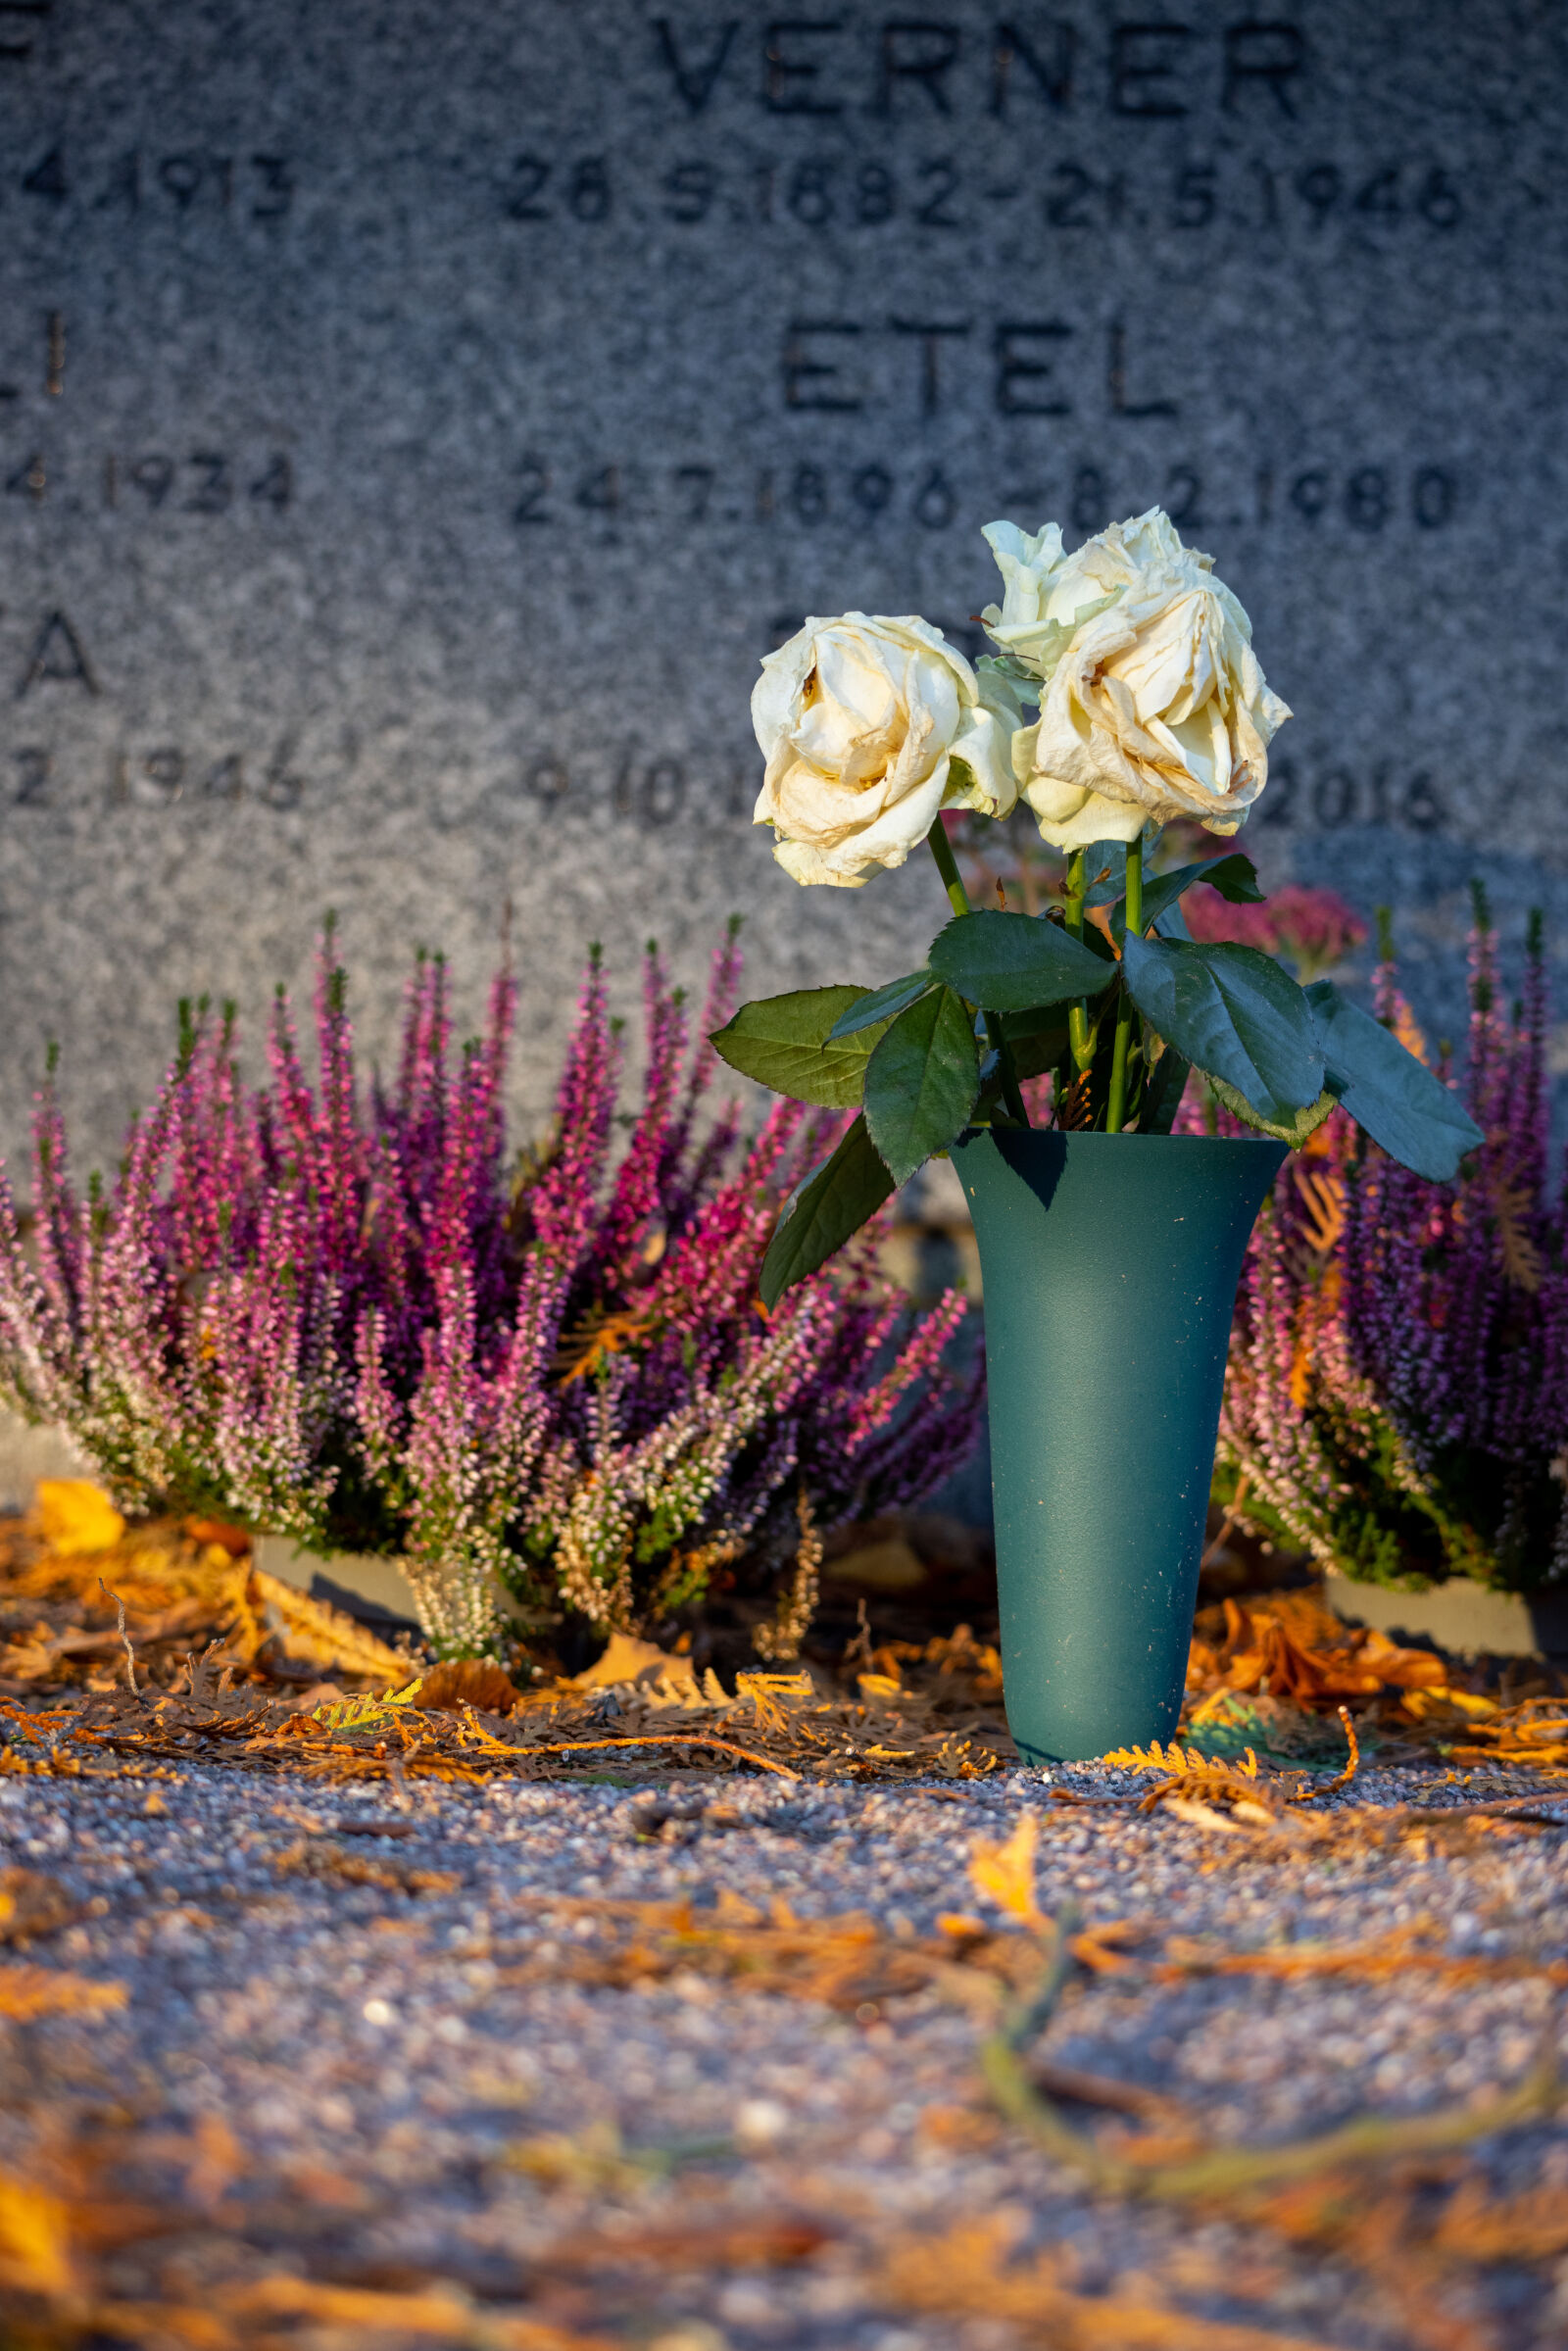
point(417, 417)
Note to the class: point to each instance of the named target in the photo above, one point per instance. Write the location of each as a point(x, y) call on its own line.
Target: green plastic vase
point(1110, 1264)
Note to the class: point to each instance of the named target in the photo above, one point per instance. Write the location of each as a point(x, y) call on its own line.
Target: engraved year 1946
point(158, 775)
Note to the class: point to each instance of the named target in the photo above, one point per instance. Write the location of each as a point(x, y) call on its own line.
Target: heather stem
point(958, 900)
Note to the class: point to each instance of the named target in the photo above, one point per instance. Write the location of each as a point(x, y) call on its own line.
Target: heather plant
point(1397, 1393)
point(349, 1315)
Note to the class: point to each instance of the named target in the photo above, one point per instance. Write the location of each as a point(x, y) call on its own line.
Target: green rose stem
point(958, 900)
point(1078, 1036)
point(1117, 1102)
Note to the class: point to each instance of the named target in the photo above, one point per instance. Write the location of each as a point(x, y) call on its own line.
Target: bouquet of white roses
point(1124, 693)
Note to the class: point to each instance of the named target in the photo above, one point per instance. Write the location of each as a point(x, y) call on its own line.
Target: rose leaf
point(1037, 1040)
point(822, 1212)
point(1163, 1089)
point(1235, 878)
point(921, 1081)
point(1418, 1120)
point(1295, 1131)
point(881, 1006)
point(1016, 963)
point(785, 1042)
point(1234, 1013)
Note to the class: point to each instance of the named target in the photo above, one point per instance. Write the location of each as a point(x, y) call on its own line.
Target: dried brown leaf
point(468, 1682)
point(34, 1905)
point(966, 2272)
point(313, 1858)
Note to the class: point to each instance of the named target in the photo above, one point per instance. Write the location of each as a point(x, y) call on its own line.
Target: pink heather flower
point(360, 1319)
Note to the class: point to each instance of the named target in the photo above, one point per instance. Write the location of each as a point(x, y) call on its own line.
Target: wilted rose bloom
point(870, 727)
point(1151, 702)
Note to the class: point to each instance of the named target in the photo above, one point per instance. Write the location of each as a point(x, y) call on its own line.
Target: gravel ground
point(394, 2082)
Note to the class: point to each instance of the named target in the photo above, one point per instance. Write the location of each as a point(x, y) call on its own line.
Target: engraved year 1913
point(137, 182)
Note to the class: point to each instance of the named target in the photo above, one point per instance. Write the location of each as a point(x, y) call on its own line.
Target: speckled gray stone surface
point(385, 2061)
point(416, 422)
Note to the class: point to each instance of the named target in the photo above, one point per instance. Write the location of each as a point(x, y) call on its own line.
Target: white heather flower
point(870, 727)
point(1151, 702)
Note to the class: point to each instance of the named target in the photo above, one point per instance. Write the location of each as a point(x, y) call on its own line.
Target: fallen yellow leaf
point(1429, 1704)
point(1006, 1873)
point(74, 1516)
point(34, 2240)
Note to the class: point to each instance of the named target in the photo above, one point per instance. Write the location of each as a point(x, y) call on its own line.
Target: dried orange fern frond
point(1323, 1197)
point(1518, 1252)
point(589, 1344)
point(763, 1691)
point(1005, 1873)
point(1178, 1764)
point(367, 1712)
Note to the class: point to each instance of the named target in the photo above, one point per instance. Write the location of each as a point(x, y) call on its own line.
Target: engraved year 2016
point(1337, 798)
point(255, 187)
point(156, 775)
point(838, 191)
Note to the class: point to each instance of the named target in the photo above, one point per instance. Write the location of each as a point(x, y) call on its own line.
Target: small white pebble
point(378, 2012)
point(759, 2122)
point(747, 2302)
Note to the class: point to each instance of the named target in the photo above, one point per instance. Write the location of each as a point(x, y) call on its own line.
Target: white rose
point(870, 727)
point(1152, 703)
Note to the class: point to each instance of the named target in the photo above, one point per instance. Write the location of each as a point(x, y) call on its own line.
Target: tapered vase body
point(1110, 1265)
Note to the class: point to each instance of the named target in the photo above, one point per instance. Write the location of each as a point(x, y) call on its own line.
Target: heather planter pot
point(1110, 1265)
point(369, 1582)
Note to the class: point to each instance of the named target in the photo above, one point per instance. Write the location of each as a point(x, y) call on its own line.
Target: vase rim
point(1087, 1134)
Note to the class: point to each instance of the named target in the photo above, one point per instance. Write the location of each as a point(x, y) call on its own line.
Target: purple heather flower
point(1398, 1393)
point(354, 1318)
